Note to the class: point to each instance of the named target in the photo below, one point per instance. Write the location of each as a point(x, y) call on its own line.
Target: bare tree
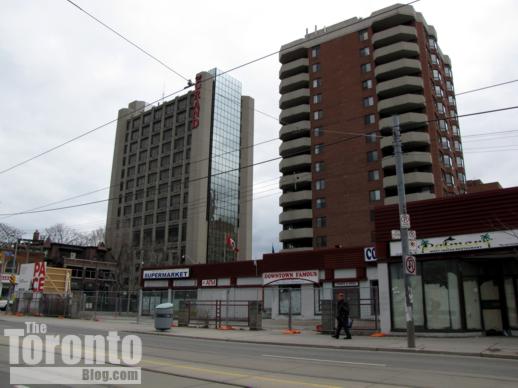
point(95, 237)
point(63, 234)
point(9, 234)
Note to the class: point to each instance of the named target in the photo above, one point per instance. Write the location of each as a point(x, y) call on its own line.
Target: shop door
point(491, 304)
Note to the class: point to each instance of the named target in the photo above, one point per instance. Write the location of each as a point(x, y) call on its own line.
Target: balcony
point(289, 181)
point(393, 35)
point(409, 197)
point(291, 68)
point(401, 15)
point(397, 68)
point(294, 130)
point(294, 147)
point(295, 234)
point(408, 139)
point(294, 82)
point(292, 115)
point(400, 104)
point(296, 197)
point(297, 97)
point(294, 163)
point(410, 159)
point(407, 121)
point(396, 51)
point(401, 85)
point(290, 53)
point(411, 179)
point(295, 215)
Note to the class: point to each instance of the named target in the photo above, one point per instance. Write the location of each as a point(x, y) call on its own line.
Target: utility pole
point(400, 175)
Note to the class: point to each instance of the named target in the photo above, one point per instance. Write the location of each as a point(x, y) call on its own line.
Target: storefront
point(464, 281)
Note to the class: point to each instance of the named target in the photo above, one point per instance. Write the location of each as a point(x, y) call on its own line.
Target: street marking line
point(322, 360)
point(293, 382)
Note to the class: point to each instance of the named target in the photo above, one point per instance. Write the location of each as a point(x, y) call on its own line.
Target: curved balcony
point(296, 197)
point(294, 163)
point(407, 121)
point(410, 159)
point(294, 82)
point(409, 197)
point(400, 104)
point(291, 52)
point(289, 181)
point(295, 215)
point(408, 139)
point(401, 15)
point(295, 234)
point(294, 130)
point(411, 179)
point(397, 68)
point(291, 68)
point(401, 85)
point(297, 113)
point(296, 146)
point(297, 97)
point(393, 35)
point(395, 51)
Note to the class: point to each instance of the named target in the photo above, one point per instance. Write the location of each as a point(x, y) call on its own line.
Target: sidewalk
point(497, 347)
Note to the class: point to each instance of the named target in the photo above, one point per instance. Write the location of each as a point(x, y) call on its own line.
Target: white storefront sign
point(462, 242)
point(369, 254)
point(291, 277)
point(154, 274)
point(156, 284)
point(209, 283)
point(25, 277)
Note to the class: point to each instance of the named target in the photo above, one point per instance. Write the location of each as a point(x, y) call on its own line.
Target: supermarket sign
point(291, 277)
point(157, 274)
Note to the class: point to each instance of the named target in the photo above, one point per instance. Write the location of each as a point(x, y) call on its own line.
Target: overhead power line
point(129, 41)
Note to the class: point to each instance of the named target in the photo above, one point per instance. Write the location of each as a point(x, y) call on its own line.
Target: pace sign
point(157, 274)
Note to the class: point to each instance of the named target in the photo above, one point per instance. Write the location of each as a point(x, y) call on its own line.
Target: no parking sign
point(410, 265)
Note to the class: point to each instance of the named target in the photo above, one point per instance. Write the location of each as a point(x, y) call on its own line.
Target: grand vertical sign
point(196, 108)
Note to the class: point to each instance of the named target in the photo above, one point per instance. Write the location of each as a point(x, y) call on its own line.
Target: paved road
point(184, 362)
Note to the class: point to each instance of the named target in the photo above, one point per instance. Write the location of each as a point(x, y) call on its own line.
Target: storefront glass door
point(491, 306)
point(510, 298)
point(472, 304)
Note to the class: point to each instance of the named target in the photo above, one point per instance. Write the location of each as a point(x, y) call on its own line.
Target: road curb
point(322, 346)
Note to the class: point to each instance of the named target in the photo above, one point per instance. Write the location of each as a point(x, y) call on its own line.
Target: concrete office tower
point(179, 178)
point(351, 78)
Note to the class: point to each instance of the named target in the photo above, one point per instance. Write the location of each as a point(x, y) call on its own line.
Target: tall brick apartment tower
point(351, 78)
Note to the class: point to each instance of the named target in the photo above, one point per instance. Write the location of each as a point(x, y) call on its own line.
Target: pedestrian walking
point(342, 317)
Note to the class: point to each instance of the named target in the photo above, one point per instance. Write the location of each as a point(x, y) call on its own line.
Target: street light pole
point(400, 175)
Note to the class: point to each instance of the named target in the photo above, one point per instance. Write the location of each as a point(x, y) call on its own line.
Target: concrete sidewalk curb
point(322, 346)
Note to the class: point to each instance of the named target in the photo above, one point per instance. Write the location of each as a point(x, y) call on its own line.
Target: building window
point(446, 160)
point(449, 85)
point(460, 161)
point(371, 137)
point(436, 75)
point(368, 101)
point(316, 83)
point(364, 51)
point(373, 175)
point(320, 184)
point(451, 101)
point(432, 43)
point(458, 146)
point(321, 222)
point(318, 131)
point(366, 67)
point(443, 125)
point(448, 179)
point(284, 300)
point(445, 143)
point(319, 148)
point(438, 91)
point(372, 156)
point(440, 108)
point(315, 67)
point(315, 51)
point(320, 203)
point(369, 119)
point(434, 59)
point(447, 71)
point(317, 98)
point(374, 195)
point(321, 241)
point(367, 84)
point(363, 35)
point(318, 114)
point(462, 177)
point(319, 166)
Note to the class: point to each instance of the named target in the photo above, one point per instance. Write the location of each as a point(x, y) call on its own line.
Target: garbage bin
point(163, 316)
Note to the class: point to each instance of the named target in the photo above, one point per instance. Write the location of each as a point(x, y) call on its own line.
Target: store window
point(284, 300)
point(397, 284)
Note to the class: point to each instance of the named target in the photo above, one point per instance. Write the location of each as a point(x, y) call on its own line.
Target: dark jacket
point(342, 310)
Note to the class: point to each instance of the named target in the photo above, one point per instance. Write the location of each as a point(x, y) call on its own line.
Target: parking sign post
point(404, 224)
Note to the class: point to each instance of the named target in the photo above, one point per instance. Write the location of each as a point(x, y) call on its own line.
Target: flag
point(273, 249)
point(231, 243)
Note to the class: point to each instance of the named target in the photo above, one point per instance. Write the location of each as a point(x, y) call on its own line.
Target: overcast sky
point(62, 74)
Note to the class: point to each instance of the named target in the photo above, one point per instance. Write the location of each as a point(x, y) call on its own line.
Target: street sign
point(369, 254)
point(12, 279)
point(410, 265)
point(404, 221)
point(396, 234)
point(412, 246)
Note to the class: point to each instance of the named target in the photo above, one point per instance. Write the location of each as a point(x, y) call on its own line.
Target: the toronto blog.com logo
point(36, 357)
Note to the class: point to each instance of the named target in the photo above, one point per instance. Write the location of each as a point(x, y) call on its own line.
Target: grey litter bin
point(163, 316)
